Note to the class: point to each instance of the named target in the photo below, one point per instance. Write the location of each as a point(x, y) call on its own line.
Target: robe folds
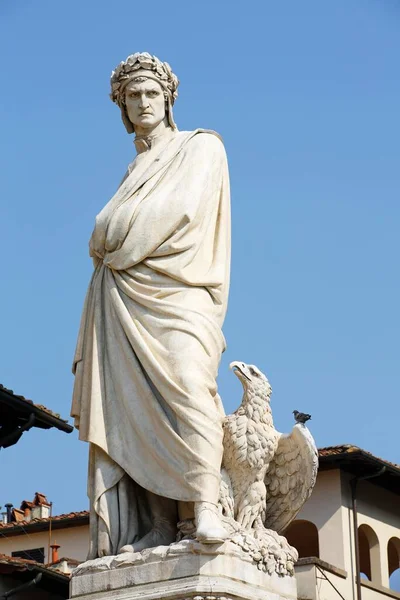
point(150, 339)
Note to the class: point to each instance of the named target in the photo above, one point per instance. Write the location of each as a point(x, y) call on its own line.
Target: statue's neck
point(150, 131)
point(150, 137)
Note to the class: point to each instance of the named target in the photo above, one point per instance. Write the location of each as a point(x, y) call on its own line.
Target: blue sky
point(306, 96)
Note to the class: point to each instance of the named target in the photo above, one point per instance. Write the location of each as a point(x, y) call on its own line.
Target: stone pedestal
point(184, 573)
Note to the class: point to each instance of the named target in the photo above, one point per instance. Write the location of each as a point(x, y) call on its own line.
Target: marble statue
point(267, 476)
point(150, 340)
point(169, 473)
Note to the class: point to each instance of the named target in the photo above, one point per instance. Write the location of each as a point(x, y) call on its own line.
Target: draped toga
point(150, 340)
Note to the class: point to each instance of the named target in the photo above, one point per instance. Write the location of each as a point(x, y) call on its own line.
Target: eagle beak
point(239, 369)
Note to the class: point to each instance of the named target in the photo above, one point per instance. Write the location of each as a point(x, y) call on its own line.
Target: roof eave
point(353, 453)
point(43, 525)
point(41, 415)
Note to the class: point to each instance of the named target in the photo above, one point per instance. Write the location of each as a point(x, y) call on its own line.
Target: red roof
point(14, 563)
point(39, 406)
point(40, 500)
point(17, 561)
point(348, 449)
point(18, 414)
point(361, 465)
point(78, 518)
point(70, 561)
point(331, 450)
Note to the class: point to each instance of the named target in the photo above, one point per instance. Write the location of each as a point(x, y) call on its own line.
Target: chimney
point(27, 508)
point(8, 507)
point(40, 507)
point(54, 552)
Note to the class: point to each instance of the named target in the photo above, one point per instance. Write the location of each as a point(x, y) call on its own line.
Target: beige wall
point(73, 541)
point(324, 510)
point(330, 509)
point(306, 583)
point(311, 585)
point(379, 509)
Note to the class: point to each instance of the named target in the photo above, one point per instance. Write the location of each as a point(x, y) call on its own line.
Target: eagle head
point(253, 380)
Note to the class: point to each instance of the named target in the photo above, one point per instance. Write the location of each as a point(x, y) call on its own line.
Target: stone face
point(181, 574)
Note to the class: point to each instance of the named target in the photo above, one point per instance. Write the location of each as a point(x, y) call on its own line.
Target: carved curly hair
point(126, 71)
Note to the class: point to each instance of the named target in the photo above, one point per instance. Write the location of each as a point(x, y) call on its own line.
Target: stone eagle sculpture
point(267, 476)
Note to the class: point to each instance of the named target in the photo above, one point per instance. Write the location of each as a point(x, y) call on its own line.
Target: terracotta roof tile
point(16, 560)
point(57, 518)
point(40, 499)
point(332, 450)
point(39, 406)
point(71, 561)
point(350, 449)
point(21, 564)
point(19, 515)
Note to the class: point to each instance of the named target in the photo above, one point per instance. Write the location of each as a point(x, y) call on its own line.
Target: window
point(36, 554)
point(303, 535)
point(393, 551)
point(370, 566)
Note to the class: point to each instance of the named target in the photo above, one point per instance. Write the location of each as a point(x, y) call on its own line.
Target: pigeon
point(300, 417)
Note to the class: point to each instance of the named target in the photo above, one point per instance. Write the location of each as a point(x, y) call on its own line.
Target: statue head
point(145, 90)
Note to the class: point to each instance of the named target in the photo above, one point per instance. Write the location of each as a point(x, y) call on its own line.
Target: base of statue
point(186, 570)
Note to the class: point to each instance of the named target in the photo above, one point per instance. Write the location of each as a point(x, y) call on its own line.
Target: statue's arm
point(175, 209)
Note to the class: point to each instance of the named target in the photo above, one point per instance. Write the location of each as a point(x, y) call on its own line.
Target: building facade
point(353, 516)
point(37, 535)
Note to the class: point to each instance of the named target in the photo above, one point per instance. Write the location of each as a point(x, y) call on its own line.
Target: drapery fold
point(150, 340)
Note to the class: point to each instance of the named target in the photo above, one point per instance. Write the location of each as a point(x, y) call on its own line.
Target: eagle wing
point(291, 477)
